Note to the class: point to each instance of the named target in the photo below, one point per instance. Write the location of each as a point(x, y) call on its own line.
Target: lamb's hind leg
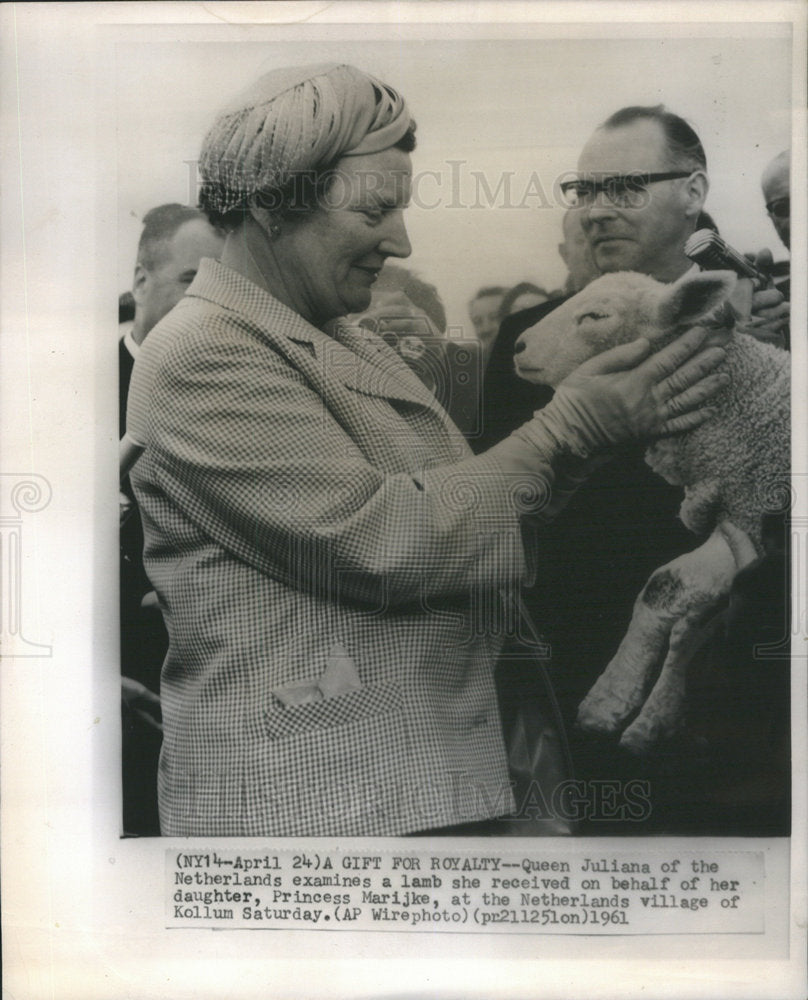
point(663, 713)
point(707, 578)
point(676, 589)
point(622, 687)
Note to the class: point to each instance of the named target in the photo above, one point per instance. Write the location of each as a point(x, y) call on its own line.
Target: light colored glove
point(620, 396)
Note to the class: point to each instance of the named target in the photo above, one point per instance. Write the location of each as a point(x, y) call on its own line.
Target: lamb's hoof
point(637, 739)
point(598, 715)
point(650, 733)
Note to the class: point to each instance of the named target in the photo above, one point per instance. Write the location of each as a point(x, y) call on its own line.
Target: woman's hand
point(624, 395)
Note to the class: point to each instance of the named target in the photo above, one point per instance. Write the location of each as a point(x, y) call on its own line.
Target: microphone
point(707, 249)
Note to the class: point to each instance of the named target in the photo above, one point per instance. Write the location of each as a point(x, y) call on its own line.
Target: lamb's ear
point(693, 297)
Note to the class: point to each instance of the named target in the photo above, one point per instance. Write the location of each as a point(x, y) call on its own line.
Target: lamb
point(729, 467)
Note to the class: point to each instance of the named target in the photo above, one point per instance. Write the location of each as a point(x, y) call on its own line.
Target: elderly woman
point(326, 552)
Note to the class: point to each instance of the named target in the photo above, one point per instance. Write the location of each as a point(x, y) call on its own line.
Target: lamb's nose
point(519, 346)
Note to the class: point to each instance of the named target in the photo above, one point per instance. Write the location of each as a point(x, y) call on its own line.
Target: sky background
point(515, 112)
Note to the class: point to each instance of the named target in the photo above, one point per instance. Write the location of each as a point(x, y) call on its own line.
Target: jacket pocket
point(337, 767)
point(373, 700)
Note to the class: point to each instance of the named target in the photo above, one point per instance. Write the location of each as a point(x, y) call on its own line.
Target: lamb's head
point(616, 309)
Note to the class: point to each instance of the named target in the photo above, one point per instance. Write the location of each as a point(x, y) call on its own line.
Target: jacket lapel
point(378, 370)
point(364, 364)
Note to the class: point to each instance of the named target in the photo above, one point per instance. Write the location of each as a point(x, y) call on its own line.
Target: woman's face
point(331, 257)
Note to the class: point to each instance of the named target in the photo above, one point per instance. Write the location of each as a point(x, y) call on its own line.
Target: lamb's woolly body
point(729, 464)
point(731, 467)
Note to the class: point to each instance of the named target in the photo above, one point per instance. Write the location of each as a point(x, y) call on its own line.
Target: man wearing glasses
point(641, 192)
point(638, 195)
point(641, 185)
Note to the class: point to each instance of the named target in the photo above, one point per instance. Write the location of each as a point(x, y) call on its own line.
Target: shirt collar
point(129, 343)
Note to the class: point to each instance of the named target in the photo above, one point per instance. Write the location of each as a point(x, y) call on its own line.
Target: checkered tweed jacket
point(302, 494)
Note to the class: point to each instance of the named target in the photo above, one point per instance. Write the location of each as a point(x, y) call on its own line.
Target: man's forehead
point(777, 182)
point(635, 148)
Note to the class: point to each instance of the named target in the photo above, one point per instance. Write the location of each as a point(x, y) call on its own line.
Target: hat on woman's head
point(292, 121)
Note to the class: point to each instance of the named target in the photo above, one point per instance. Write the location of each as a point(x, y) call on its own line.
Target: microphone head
point(707, 249)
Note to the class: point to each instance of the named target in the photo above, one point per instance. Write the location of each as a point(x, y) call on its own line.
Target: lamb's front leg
point(706, 578)
point(665, 600)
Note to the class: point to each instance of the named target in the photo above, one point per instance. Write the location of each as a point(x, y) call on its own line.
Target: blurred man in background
point(576, 253)
point(776, 184)
point(523, 295)
point(174, 240)
point(507, 401)
point(484, 311)
point(408, 313)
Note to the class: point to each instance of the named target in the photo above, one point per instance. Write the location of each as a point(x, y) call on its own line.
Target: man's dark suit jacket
point(125, 365)
point(143, 647)
point(134, 582)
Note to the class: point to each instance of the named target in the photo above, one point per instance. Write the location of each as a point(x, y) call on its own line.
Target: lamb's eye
point(593, 315)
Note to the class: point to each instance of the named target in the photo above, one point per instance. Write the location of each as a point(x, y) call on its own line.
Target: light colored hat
point(296, 120)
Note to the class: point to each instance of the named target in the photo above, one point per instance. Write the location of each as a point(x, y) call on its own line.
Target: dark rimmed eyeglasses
point(623, 190)
point(780, 208)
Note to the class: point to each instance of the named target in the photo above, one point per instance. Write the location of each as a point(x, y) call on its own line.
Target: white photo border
point(84, 912)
